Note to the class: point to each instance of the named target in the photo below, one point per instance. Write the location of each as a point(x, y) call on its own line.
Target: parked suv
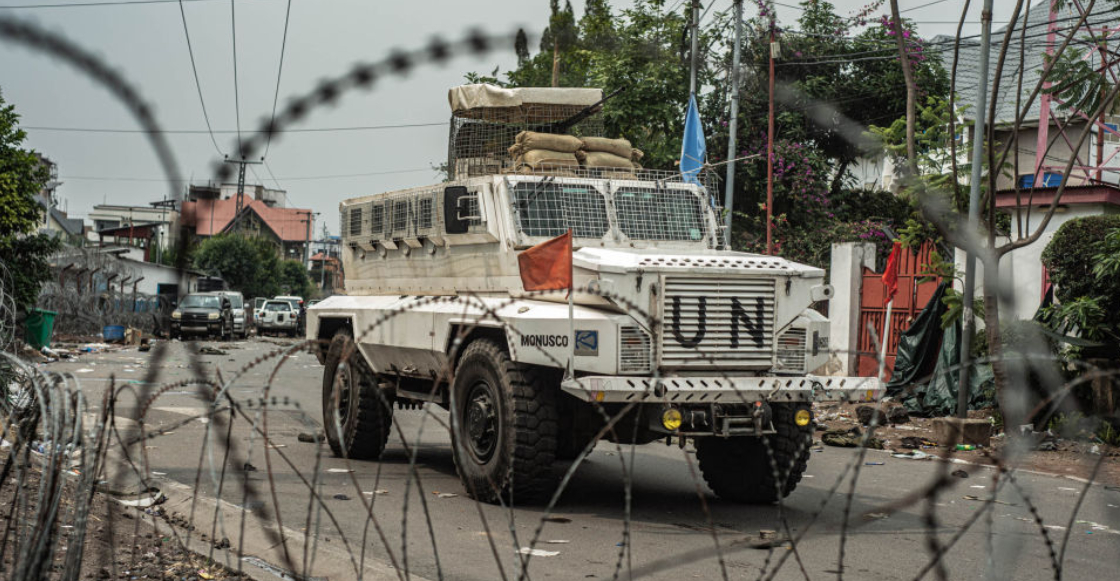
point(279, 316)
point(297, 304)
point(240, 316)
point(203, 314)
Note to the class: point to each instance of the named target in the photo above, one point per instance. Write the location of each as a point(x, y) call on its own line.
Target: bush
point(1071, 257)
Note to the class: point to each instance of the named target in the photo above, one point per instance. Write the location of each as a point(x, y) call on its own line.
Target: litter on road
point(538, 552)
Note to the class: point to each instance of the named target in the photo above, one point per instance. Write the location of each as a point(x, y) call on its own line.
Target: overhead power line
point(279, 71)
point(287, 179)
point(233, 131)
point(236, 94)
point(197, 84)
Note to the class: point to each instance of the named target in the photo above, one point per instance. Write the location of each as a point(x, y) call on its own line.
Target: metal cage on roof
point(485, 121)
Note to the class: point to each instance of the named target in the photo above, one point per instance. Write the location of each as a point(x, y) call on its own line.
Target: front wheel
point(356, 417)
point(504, 425)
point(740, 469)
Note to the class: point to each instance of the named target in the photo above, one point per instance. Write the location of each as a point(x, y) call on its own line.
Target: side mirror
point(225, 303)
point(456, 218)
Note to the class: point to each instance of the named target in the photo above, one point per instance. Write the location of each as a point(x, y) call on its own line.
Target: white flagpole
point(571, 307)
point(886, 339)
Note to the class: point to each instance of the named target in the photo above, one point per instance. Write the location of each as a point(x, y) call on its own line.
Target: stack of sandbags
point(601, 152)
point(545, 151)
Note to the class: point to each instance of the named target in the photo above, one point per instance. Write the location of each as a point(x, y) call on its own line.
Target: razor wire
point(62, 447)
point(91, 289)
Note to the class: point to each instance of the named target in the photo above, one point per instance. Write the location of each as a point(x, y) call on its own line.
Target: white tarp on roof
point(465, 97)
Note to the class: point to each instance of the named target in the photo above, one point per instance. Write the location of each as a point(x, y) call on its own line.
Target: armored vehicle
point(664, 337)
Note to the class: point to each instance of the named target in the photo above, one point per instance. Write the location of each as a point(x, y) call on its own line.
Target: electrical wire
point(197, 84)
point(272, 175)
point(293, 178)
point(236, 94)
point(279, 71)
point(233, 131)
point(89, 4)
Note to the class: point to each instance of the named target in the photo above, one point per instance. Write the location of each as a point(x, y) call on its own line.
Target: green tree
point(22, 176)
point(294, 279)
point(248, 264)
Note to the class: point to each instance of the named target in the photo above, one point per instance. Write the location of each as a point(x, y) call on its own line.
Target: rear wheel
point(356, 418)
point(504, 429)
point(740, 470)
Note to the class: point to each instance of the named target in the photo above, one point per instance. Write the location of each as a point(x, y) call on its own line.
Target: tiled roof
point(210, 217)
point(1033, 49)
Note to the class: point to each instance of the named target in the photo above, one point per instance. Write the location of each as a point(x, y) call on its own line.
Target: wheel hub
point(481, 422)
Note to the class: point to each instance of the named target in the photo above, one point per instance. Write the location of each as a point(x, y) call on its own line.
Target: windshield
point(550, 209)
point(659, 214)
point(277, 306)
point(200, 302)
point(236, 302)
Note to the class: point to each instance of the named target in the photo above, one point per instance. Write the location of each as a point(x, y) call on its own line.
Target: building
point(326, 273)
point(56, 222)
point(1049, 132)
point(152, 228)
point(1045, 142)
point(207, 213)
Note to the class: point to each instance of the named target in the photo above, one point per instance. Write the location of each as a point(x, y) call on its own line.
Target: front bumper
point(726, 390)
point(192, 327)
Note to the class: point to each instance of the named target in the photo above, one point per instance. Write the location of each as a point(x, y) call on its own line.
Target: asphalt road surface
point(431, 528)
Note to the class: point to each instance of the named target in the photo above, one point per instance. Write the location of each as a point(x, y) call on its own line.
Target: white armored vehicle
point(670, 337)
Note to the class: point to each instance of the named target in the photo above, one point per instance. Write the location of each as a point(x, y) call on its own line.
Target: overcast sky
point(146, 43)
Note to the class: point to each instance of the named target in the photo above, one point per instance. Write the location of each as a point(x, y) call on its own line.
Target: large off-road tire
point(356, 418)
point(739, 469)
point(504, 428)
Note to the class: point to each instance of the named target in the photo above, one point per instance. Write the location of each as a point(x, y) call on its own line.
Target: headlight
point(671, 419)
point(214, 316)
point(176, 315)
point(802, 417)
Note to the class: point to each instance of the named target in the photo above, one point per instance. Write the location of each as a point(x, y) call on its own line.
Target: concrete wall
point(846, 277)
point(1021, 270)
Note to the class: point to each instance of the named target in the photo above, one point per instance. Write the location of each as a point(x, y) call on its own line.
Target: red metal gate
point(910, 300)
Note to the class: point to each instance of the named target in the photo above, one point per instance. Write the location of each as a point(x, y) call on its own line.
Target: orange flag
point(548, 265)
point(890, 274)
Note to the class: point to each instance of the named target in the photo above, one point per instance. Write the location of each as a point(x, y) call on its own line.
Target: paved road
point(671, 533)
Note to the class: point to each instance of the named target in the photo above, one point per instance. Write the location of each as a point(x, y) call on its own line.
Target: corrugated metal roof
point(1028, 40)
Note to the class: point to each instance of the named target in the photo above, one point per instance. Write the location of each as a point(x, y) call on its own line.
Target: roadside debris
point(446, 494)
point(959, 474)
point(310, 437)
point(851, 438)
point(208, 350)
point(538, 552)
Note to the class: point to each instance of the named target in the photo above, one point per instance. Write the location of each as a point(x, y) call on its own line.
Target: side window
point(424, 207)
point(354, 227)
point(377, 220)
point(400, 215)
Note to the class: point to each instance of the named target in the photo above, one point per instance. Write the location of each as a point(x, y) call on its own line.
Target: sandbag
point(636, 155)
point(603, 159)
point(619, 147)
point(540, 158)
point(529, 140)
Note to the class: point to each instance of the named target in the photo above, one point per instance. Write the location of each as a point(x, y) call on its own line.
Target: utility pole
point(695, 46)
point(240, 187)
point(307, 245)
point(770, 149)
point(978, 135)
point(729, 193)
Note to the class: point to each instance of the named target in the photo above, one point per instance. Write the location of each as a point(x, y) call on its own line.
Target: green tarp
point(925, 375)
